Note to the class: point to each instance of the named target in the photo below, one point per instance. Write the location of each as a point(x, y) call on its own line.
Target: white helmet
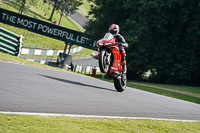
point(114, 29)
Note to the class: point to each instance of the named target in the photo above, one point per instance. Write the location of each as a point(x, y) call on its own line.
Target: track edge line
point(94, 116)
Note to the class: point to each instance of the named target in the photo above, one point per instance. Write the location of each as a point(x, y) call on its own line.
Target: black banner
point(44, 28)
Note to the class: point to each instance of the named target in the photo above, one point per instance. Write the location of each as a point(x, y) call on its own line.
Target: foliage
point(65, 6)
point(25, 4)
point(163, 36)
point(55, 4)
point(104, 14)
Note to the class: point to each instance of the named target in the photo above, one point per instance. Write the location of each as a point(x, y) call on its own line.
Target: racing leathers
point(122, 44)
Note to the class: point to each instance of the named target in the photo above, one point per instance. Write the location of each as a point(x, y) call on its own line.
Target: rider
point(114, 30)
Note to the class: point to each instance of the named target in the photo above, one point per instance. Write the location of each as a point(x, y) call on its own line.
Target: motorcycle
point(110, 61)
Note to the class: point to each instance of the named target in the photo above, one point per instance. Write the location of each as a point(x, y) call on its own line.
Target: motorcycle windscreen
point(108, 36)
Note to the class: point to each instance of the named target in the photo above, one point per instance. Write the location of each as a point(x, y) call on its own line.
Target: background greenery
point(163, 36)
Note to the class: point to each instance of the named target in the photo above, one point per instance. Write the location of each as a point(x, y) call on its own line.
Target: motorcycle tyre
point(118, 85)
point(101, 61)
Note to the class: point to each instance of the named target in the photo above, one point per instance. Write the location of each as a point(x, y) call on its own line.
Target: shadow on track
point(75, 83)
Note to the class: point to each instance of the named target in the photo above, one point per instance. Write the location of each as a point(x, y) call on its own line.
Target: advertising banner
point(45, 28)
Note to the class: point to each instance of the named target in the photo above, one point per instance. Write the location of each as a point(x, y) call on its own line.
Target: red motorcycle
point(110, 61)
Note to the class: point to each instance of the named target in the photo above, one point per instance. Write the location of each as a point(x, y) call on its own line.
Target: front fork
point(107, 58)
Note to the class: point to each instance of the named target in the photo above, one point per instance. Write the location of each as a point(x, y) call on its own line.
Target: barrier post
point(10, 42)
point(94, 72)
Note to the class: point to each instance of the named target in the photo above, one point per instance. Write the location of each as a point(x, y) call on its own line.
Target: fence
point(84, 63)
point(10, 42)
point(27, 51)
point(84, 69)
point(81, 63)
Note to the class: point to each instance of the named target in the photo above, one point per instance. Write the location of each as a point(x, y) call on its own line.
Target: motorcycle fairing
point(116, 64)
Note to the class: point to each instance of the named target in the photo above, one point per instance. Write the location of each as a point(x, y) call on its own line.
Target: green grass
point(38, 12)
point(85, 7)
point(34, 38)
point(51, 124)
point(14, 59)
point(85, 51)
point(166, 93)
point(43, 12)
point(39, 56)
point(175, 87)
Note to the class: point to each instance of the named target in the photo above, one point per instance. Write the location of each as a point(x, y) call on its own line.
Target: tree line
point(65, 7)
point(163, 36)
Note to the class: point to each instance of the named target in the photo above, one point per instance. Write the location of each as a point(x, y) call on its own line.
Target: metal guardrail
point(10, 42)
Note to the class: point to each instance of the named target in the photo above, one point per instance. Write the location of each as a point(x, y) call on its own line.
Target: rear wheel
point(104, 62)
point(120, 84)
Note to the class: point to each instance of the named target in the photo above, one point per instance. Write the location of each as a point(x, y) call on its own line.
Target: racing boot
point(124, 69)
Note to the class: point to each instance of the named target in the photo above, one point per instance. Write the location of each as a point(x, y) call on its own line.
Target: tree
point(166, 39)
point(68, 7)
point(163, 36)
point(55, 4)
point(24, 4)
point(105, 13)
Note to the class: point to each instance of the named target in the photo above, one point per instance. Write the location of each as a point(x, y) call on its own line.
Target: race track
point(31, 89)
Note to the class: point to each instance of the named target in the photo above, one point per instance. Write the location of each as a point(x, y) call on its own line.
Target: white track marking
point(93, 116)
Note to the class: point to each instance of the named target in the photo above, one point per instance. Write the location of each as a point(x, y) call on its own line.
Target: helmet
point(114, 29)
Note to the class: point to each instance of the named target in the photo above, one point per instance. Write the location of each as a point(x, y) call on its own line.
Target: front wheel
point(104, 61)
point(120, 84)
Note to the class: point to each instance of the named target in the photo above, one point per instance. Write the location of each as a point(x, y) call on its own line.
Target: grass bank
point(32, 38)
point(42, 12)
point(187, 96)
point(52, 124)
point(85, 7)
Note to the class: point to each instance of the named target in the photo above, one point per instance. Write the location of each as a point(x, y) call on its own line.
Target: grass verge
point(42, 124)
point(13, 59)
point(172, 87)
point(166, 93)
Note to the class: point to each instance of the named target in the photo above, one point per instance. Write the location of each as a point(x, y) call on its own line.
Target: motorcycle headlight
point(108, 44)
point(100, 43)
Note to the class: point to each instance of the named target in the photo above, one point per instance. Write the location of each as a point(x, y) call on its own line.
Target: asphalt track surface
point(31, 89)
point(79, 18)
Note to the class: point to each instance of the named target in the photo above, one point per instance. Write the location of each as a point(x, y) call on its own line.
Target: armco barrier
point(85, 69)
point(48, 52)
point(10, 42)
